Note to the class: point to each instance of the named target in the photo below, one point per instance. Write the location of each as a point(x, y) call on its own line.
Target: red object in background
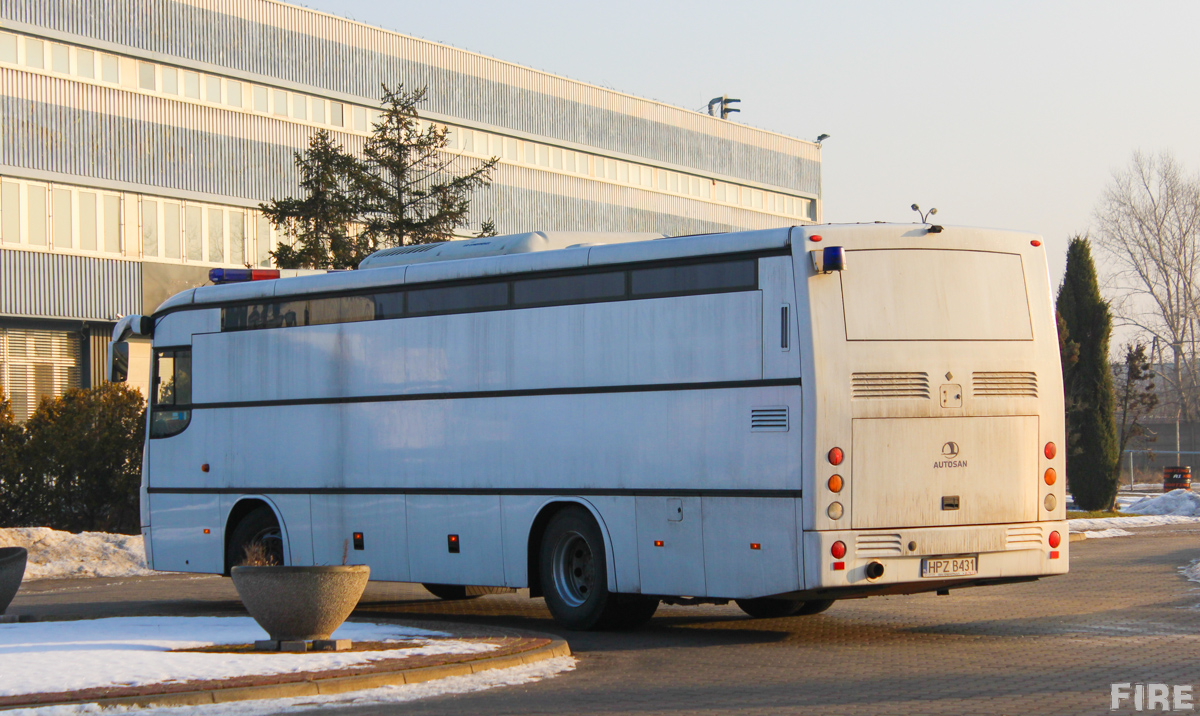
point(1177, 477)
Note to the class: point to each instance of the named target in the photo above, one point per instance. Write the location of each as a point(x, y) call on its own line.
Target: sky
point(1006, 114)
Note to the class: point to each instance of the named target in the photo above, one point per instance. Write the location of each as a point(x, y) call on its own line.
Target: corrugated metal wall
point(299, 46)
point(47, 285)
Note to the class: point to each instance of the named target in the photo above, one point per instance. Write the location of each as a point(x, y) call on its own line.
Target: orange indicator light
point(658, 543)
point(207, 531)
point(835, 483)
point(1051, 476)
point(755, 545)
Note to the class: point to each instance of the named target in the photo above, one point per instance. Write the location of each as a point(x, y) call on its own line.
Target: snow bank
point(1180, 503)
point(1191, 571)
point(132, 651)
point(53, 553)
point(1103, 523)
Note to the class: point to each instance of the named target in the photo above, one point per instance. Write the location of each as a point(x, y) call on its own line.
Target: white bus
point(783, 418)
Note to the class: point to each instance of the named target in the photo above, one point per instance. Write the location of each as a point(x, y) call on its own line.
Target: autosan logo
point(949, 457)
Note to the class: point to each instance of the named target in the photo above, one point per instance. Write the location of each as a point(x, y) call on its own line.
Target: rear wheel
point(768, 608)
point(815, 606)
point(259, 526)
point(574, 575)
point(449, 592)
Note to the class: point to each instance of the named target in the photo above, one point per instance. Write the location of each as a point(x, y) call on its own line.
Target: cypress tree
point(1092, 451)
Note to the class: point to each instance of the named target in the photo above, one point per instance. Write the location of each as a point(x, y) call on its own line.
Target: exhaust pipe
point(874, 570)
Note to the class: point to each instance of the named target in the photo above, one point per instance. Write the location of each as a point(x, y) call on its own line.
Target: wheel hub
point(573, 569)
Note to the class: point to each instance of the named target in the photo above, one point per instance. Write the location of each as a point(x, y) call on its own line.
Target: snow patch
point(1103, 523)
point(1110, 532)
point(56, 554)
point(383, 696)
point(43, 657)
point(1191, 571)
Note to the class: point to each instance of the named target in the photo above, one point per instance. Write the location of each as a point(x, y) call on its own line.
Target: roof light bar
point(219, 276)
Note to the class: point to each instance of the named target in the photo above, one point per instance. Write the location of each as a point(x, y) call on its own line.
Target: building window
point(61, 215)
point(263, 241)
point(35, 218)
point(60, 59)
point(336, 110)
point(318, 111)
point(85, 63)
point(234, 91)
point(193, 232)
point(212, 89)
point(10, 212)
point(149, 228)
point(110, 69)
point(112, 223)
point(170, 80)
point(216, 236)
point(360, 119)
point(280, 99)
point(35, 53)
point(8, 48)
point(237, 237)
point(36, 365)
point(170, 237)
point(261, 100)
point(146, 76)
point(87, 220)
point(191, 85)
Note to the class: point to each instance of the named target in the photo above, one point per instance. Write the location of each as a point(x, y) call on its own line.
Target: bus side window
point(171, 392)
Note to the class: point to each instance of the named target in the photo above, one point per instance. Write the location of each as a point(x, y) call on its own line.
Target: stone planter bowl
point(300, 603)
point(12, 571)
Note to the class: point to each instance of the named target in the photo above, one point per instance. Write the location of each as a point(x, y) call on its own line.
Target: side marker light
point(815, 237)
point(1035, 242)
point(658, 543)
point(207, 531)
point(204, 467)
point(755, 545)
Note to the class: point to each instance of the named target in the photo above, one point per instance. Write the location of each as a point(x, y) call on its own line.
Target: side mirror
point(118, 348)
point(118, 361)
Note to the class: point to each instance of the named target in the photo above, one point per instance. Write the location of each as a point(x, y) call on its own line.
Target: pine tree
point(406, 188)
point(1092, 450)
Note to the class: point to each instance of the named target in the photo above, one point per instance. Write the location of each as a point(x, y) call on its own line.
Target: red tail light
point(1055, 539)
point(838, 550)
point(1051, 451)
point(836, 456)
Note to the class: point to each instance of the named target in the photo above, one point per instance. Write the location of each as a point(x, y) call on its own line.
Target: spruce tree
point(1092, 450)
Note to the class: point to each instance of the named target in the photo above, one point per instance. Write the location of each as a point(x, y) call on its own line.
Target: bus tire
point(259, 525)
point(574, 575)
point(449, 592)
point(814, 606)
point(768, 608)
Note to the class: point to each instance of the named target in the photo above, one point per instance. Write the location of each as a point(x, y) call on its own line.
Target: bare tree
point(1149, 226)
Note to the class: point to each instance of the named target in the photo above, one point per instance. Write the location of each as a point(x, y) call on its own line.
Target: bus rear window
point(934, 295)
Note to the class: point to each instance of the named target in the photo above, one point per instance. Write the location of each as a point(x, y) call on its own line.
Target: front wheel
point(574, 575)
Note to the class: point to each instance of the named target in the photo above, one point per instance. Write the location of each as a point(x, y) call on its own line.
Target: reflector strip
point(839, 566)
point(1054, 554)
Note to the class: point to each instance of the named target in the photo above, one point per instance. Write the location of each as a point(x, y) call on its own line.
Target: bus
point(782, 418)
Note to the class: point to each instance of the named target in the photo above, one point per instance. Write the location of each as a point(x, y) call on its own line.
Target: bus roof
point(589, 254)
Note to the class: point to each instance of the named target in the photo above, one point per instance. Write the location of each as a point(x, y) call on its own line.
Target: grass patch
point(1095, 515)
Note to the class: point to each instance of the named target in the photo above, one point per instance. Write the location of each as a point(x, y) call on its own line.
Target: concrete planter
point(12, 571)
point(300, 603)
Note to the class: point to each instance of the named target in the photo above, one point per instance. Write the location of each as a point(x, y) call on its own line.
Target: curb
point(327, 686)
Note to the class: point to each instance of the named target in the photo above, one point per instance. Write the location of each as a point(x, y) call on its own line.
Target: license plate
point(961, 566)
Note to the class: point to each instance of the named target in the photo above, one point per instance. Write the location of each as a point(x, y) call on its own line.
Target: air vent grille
point(411, 249)
point(769, 419)
point(1024, 537)
point(1005, 384)
point(877, 545)
point(890, 385)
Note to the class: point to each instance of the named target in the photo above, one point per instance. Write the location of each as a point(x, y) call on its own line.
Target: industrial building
point(137, 138)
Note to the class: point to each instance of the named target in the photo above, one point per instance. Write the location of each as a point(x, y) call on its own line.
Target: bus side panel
point(475, 555)
point(379, 519)
point(671, 530)
point(750, 546)
point(178, 528)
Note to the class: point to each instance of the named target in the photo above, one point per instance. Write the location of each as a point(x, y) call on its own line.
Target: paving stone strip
point(510, 651)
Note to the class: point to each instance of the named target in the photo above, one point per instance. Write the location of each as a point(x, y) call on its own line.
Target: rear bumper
point(1007, 552)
